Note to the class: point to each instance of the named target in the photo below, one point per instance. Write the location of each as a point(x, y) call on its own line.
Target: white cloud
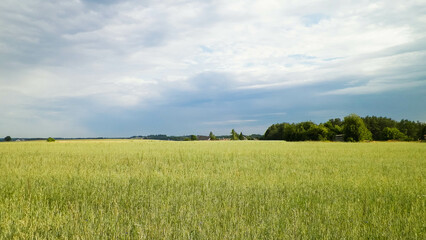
point(252, 39)
point(376, 87)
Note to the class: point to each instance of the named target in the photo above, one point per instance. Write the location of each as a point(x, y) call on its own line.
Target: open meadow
point(138, 189)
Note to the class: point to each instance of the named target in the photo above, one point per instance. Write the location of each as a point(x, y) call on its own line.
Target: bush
point(8, 139)
point(50, 139)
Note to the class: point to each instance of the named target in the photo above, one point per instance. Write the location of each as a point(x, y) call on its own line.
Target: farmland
point(124, 189)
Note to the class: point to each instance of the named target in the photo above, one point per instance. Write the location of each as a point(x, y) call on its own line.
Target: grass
point(212, 190)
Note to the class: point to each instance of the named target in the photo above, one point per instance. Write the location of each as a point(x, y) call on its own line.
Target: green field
point(212, 190)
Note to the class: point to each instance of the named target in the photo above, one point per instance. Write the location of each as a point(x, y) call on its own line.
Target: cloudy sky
point(120, 68)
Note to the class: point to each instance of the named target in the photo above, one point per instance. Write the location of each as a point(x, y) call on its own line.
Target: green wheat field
point(139, 189)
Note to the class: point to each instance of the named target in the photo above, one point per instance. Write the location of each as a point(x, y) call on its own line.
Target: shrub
point(50, 139)
point(8, 139)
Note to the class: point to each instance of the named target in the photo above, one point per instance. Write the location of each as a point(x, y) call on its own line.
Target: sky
point(91, 68)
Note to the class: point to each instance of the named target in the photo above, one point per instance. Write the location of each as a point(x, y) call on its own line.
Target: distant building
point(136, 137)
point(339, 138)
point(203, 138)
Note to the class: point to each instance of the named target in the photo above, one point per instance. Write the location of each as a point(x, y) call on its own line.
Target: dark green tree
point(355, 129)
point(336, 122)
point(276, 132)
point(377, 124)
point(412, 129)
point(194, 138)
point(393, 134)
point(234, 135)
point(334, 127)
point(369, 128)
point(212, 136)
point(270, 132)
point(423, 132)
point(8, 139)
point(50, 139)
point(290, 132)
point(317, 133)
point(241, 136)
point(304, 129)
point(297, 132)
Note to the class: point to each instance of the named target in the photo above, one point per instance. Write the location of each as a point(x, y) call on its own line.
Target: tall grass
point(212, 190)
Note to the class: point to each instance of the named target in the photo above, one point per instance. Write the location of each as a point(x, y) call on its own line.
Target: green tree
point(412, 129)
point(270, 132)
point(317, 133)
point(355, 129)
point(377, 124)
point(276, 132)
point(334, 127)
point(393, 134)
point(194, 138)
point(336, 122)
point(212, 136)
point(8, 139)
point(423, 132)
point(50, 139)
point(306, 131)
point(290, 132)
point(234, 135)
point(369, 128)
point(297, 132)
point(241, 136)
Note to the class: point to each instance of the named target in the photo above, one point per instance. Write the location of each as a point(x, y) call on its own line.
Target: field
point(212, 190)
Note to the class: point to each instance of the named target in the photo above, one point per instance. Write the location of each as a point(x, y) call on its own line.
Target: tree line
point(352, 128)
